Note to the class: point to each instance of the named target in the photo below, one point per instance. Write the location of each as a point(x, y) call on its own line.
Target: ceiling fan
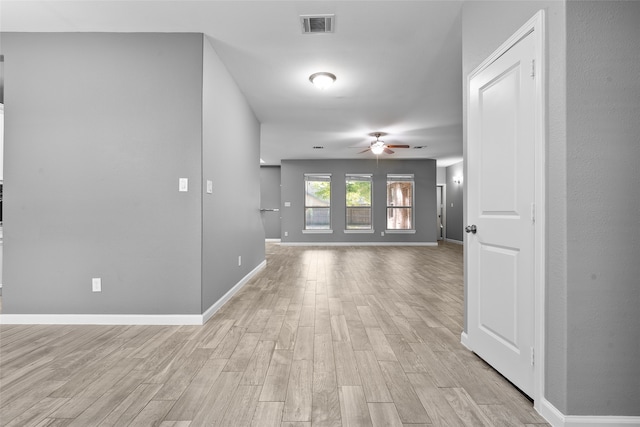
point(378, 147)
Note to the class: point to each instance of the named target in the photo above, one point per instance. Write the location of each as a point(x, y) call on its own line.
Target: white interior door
point(500, 213)
point(439, 212)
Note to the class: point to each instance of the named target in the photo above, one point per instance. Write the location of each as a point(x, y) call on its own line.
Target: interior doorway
point(504, 274)
point(440, 213)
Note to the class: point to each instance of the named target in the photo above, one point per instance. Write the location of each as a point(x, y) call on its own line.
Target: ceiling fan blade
point(386, 150)
point(364, 151)
point(399, 146)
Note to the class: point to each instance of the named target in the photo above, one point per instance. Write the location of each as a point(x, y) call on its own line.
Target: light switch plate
point(96, 284)
point(287, 204)
point(209, 186)
point(183, 184)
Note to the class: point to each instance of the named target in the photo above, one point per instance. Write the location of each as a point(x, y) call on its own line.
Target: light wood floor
point(321, 337)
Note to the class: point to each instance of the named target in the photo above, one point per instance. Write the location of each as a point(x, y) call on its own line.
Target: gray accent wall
point(592, 245)
point(270, 199)
point(603, 207)
point(292, 180)
point(455, 204)
point(231, 224)
point(99, 128)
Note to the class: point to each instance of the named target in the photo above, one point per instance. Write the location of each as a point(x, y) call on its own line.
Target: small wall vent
point(317, 24)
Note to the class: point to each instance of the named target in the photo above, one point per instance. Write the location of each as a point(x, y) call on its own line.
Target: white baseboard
point(101, 319)
point(128, 319)
point(359, 243)
point(558, 419)
point(272, 240)
point(231, 292)
point(464, 340)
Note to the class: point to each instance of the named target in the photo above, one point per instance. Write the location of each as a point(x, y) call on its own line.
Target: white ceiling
point(398, 66)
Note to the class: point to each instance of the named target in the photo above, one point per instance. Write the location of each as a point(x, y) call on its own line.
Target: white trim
point(317, 231)
point(369, 231)
point(272, 240)
point(558, 419)
point(457, 242)
point(101, 319)
point(359, 244)
point(535, 25)
point(231, 292)
point(128, 319)
point(400, 231)
point(306, 175)
point(464, 340)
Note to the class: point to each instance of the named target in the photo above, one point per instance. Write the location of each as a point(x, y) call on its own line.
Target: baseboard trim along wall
point(231, 292)
point(359, 243)
point(129, 319)
point(101, 319)
point(558, 419)
point(272, 240)
point(454, 241)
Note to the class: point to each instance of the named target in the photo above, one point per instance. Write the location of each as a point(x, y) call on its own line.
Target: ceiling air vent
point(317, 24)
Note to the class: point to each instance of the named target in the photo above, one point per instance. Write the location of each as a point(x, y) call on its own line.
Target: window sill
point(317, 231)
point(400, 231)
point(359, 231)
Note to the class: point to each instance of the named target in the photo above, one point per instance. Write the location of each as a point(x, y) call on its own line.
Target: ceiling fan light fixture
point(377, 149)
point(322, 80)
point(377, 146)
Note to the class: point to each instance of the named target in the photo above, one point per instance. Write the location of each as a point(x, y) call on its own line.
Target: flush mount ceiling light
point(322, 80)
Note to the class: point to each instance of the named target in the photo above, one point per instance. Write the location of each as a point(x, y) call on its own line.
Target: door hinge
point(533, 68)
point(533, 212)
point(533, 360)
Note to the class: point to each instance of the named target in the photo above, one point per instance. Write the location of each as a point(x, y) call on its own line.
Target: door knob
point(471, 229)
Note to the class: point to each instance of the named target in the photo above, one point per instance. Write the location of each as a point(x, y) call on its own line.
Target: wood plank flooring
point(323, 336)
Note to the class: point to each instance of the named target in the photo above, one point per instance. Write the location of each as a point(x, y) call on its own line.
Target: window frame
point(363, 177)
point(321, 177)
point(401, 178)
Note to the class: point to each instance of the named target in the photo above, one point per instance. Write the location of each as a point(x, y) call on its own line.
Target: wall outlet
point(183, 184)
point(382, 233)
point(96, 284)
point(239, 260)
point(286, 234)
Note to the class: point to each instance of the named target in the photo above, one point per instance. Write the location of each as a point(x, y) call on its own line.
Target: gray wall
point(603, 204)
point(292, 180)
point(270, 199)
point(231, 224)
point(592, 199)
point(99, 127)
point(95, 142)
point(455, 225)
point(441, 176)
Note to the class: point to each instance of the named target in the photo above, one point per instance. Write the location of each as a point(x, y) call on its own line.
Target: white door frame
point(535, 25)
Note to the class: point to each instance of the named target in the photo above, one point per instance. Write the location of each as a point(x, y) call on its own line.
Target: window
point(399, 202)
point(317, 202)
point(358, 202)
